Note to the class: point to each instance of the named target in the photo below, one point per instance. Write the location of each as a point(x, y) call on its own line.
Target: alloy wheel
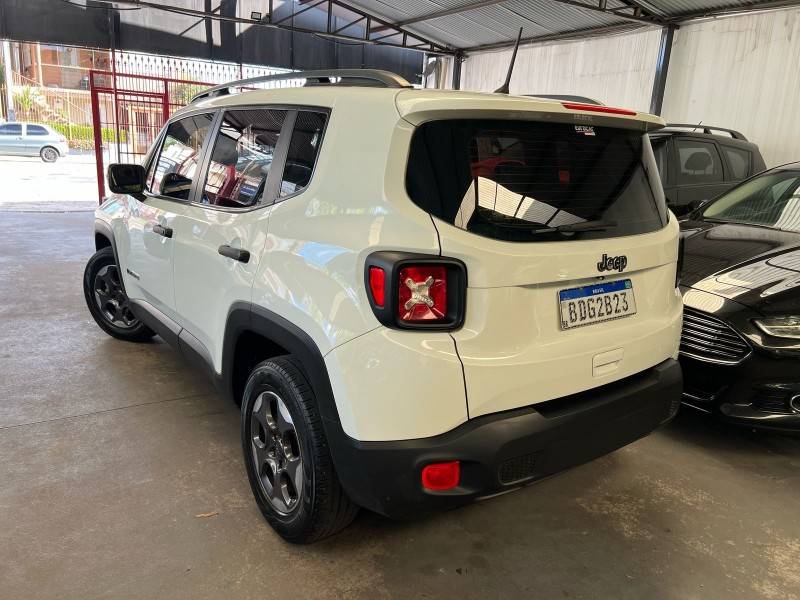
point(276, 452)
point(111, 299)
point(49, 155)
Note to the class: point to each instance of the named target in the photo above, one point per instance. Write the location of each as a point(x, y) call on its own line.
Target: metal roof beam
point(426, 45)
point(551, 37)
point(731, 10)
point(449, 11)
point(639, 15)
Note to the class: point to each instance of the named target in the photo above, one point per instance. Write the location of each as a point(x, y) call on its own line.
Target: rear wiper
point(575, 227)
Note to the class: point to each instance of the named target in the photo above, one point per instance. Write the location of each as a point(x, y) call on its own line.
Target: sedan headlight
point(781, 327)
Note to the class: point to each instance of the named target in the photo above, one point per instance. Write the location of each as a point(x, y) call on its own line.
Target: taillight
point(598, 108)
point(442, 476)
point(377, 285)
point(416, 291)
point(422, 293)
point(679, 266)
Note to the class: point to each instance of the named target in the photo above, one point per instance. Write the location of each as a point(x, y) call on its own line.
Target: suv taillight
point(416, 291)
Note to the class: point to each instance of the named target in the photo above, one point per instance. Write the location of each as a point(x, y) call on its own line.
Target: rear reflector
point(422, 293)
point(442, 476)
point(377, 278)
point(598, 108)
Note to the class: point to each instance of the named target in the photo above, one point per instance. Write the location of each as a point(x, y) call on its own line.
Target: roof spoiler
point(708, 129)
point(349, 77)
point(567, 98)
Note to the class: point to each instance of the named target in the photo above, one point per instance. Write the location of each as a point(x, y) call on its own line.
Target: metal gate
point(128, 111)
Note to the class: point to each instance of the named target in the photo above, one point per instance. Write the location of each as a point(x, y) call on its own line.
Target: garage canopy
point(482, 24)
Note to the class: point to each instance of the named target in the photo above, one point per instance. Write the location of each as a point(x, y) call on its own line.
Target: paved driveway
point(30, 185)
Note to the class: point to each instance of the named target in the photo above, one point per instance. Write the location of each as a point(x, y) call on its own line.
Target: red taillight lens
point(377, 279)
point(422, 293)
point(442, 476)
point(598, 108)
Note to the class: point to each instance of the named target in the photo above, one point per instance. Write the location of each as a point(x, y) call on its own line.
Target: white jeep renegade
point(420, 298)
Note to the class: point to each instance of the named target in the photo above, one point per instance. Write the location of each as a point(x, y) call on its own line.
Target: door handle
point(163, 231)
point(234, 253)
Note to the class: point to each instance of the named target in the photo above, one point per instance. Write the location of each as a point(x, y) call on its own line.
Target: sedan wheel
point(49, 155)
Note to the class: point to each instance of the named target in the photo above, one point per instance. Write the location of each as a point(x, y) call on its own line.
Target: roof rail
point(707, 129)
point(353, 77)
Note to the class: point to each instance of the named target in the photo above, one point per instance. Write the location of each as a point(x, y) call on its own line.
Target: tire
point(107, 302)
point(283, 441)
point(48, 154)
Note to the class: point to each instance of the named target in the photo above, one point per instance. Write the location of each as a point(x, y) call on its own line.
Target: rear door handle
point(163, 231)
point(234, 253)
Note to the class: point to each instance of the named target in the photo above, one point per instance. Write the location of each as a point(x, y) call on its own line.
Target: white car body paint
point(307, 265)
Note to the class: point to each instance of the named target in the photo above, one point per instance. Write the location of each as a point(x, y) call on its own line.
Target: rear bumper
point(503, 451)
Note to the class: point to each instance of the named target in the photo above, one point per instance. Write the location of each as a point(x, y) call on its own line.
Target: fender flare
point(244, 317)
point(106, 231)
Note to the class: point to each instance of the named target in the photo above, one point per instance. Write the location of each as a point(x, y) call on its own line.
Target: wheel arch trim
point(246, 317)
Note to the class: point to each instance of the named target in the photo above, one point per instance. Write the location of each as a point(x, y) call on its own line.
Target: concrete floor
point(109, 451)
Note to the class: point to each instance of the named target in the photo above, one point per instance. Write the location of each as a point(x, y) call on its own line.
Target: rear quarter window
point(522, 180)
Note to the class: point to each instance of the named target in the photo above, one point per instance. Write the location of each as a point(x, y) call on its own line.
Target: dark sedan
point(740, 347)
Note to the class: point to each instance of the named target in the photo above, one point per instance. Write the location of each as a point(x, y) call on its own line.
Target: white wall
point(740, 72)
point(744, 73)
point(617, 70)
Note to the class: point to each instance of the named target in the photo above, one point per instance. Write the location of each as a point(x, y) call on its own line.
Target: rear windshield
point(527, 181)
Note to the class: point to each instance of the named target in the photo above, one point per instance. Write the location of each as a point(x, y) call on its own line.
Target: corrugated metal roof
point(497, 22)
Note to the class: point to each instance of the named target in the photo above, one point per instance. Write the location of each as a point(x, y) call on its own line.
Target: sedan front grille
point(710, 339)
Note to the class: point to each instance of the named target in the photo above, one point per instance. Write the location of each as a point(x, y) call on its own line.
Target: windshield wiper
point(576, 227)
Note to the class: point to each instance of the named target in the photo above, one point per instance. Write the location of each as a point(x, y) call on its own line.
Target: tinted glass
point(771, 200)
point(303, 151)
point(178, 160)
point(521, 180)
point(242, 157)
point(660, 148)
point(11, 129)
point(739, 161)
point(36, 130)
point(698, 161)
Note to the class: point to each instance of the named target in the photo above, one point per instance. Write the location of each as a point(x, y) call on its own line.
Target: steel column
point(458, 60)
point(662, 66)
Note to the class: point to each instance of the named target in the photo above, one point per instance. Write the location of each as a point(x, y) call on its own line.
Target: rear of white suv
point(419, 298)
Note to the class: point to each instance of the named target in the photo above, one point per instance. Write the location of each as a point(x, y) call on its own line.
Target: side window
point(37, 130)
point(303, 151)
point(699, 162)
point(178, 160)
point(739, 160)
point(661, 152)
point(11, 129)
point(242, 157)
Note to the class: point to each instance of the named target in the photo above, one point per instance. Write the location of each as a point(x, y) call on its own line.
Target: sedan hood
point(755, 266)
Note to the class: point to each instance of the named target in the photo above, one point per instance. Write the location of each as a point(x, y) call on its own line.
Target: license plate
point(595, 303)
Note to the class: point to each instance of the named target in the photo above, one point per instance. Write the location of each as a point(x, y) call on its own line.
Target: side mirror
point(126, 178)
point(176, 186)
point(697, 204)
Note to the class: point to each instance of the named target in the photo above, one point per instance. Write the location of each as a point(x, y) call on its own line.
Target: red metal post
point(98, 138)
point(165, 101)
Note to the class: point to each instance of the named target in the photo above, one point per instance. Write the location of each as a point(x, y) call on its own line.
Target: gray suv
point(699, 162)
point(32, 139)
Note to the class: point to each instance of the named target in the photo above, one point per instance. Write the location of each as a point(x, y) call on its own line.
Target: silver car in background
point(32, 139)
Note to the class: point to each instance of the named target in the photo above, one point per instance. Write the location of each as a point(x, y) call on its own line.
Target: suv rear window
point(521, 180)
